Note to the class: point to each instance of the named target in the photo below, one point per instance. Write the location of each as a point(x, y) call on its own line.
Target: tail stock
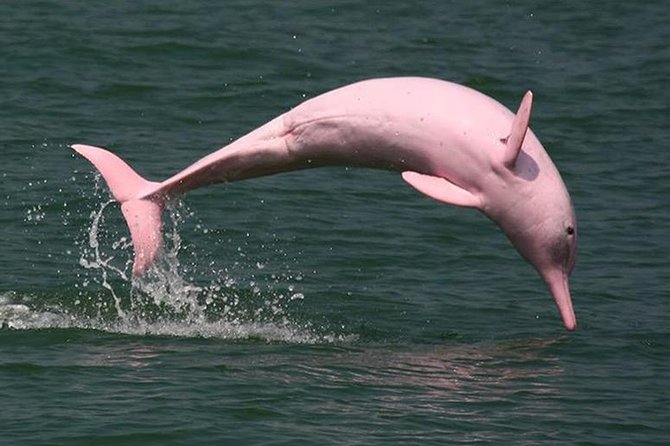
point(143, 212)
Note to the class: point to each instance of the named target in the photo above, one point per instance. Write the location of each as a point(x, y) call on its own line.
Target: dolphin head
point(534, 209)
point(546, 236)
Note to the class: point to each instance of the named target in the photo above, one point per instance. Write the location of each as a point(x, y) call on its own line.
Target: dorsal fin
point(518, 131)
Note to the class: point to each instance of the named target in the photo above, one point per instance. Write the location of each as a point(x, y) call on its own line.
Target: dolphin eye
point(570, 230)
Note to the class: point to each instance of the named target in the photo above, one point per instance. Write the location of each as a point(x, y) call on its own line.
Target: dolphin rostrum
point(448, 141)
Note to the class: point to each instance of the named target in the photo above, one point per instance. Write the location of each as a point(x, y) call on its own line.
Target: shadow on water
point(381, 391)
point(444, 371)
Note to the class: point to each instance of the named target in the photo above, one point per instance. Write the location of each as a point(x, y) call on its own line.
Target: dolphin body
point(448, 141)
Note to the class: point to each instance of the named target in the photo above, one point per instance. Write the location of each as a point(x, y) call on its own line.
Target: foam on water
point(15, 314)
point(20, 316)
point(163, 301)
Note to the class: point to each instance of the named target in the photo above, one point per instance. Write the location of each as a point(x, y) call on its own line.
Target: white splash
point(99, 263)
point(163, 302)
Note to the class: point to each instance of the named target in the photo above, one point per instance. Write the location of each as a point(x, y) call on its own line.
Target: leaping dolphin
point(448, 141)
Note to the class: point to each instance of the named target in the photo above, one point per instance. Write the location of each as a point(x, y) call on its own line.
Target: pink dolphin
point(448, 141)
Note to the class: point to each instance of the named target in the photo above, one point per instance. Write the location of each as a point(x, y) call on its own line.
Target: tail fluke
point(143, 212)
point(144, 219)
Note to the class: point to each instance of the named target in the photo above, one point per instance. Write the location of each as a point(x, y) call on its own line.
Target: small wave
point(171, 299)
point(15, 315)
point(20, 316)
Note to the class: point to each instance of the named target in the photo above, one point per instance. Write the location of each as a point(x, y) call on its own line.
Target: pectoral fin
point(441, 189)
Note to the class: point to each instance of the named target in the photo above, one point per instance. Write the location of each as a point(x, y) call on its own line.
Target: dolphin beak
point(558, 286)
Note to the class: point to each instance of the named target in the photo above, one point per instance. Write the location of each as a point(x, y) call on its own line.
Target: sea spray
point(187, 293)
point(99, 263)
point(164, 292)
point(172, 298)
